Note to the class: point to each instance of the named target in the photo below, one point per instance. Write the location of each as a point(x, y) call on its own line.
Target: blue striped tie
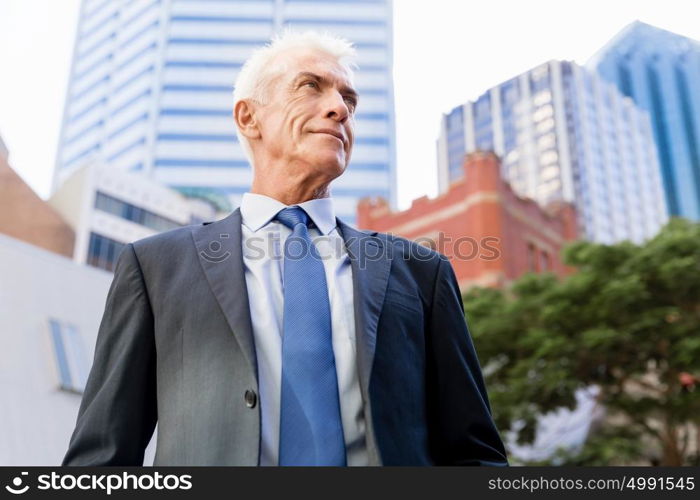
point(311, 430)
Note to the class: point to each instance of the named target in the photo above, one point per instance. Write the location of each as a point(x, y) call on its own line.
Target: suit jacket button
point(250, 398)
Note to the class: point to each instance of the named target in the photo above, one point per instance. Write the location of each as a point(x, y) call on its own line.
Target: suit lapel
point(221, 256)
point(370, 273)
point(370, 262)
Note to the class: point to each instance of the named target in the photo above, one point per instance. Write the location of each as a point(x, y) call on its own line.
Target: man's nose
point(337, 108)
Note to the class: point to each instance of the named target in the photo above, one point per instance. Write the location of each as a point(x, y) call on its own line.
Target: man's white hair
point(258, 72)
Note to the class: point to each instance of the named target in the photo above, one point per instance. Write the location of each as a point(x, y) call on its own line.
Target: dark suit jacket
point(175, 346)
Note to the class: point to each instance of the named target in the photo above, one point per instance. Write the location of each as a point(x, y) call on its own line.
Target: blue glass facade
point(509, 95)
point(660, 71)
point(483, 123)
point(455, 134)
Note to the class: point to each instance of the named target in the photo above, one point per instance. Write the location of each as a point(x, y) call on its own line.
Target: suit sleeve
point(462, 431)
point(118, 411)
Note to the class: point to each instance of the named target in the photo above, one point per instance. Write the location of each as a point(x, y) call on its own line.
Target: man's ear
point(244, 114)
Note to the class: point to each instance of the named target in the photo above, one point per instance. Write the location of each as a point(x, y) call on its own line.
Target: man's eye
point(313, 84)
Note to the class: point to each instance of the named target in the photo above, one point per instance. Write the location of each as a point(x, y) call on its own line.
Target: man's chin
point(332, 166)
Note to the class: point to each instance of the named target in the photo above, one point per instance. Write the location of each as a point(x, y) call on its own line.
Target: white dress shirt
point(263, 258)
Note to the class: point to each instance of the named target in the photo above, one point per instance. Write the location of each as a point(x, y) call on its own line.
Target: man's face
point(308, 122)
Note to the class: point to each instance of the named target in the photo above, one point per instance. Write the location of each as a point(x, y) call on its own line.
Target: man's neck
point(290, 193)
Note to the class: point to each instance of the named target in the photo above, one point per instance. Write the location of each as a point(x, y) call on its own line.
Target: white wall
point(37, 418)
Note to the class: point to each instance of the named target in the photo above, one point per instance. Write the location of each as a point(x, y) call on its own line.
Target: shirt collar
point(257, 210)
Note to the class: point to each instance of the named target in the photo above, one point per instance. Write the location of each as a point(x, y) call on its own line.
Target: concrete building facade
point(50, 308)
point(50, 311)
point(107, 208)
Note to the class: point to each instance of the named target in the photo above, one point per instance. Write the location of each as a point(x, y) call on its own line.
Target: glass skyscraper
point(660, 71)
point(151, 89)
point(564, 134)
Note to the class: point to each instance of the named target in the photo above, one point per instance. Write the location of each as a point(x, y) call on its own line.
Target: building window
point(509, 92)
point(663, 141)
point(545, 262)
point(455, 119)
point(545, 126)
point(72, 362)
point(482, 108)
point(690, 126)
point(531, 257)
point(543, 112)
point(542, 97)
point(103, 252)
point(546, 141)
point(132, 213)
point(549, 157)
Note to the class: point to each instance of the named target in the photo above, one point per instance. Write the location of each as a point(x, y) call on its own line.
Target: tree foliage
point(627, 321)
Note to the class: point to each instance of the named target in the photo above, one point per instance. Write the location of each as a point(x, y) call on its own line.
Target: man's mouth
point(332, 133)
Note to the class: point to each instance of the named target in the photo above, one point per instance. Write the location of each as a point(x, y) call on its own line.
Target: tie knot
point(293, 216)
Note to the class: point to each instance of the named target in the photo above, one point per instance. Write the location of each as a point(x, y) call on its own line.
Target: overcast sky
point(445, 53)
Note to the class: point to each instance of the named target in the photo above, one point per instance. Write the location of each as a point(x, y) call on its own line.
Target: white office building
point(151, 86)
point(108, 208)
point(563, 133)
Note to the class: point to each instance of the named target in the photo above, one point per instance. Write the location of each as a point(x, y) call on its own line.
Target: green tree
point(627, 322)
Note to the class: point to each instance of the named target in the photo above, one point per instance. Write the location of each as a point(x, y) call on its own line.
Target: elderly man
point(279, 335)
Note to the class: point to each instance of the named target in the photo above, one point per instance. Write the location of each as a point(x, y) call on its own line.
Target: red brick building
point(25, 216)
point(491, 235)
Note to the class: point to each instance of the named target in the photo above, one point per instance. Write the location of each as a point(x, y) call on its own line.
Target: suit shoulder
point(410, 249)
point(173, 242)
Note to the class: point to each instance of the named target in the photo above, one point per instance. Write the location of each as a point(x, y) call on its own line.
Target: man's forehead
point(302, 62)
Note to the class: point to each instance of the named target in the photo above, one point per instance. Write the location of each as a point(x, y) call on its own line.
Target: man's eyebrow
point(307, 74)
